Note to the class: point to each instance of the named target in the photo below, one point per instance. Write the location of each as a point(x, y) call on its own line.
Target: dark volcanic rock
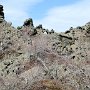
point(1, 13)
point(28, 22)
point(1, 8)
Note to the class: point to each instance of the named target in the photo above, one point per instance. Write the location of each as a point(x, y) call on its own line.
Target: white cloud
point(58, 18)
point(16, 10)
point(62, 18)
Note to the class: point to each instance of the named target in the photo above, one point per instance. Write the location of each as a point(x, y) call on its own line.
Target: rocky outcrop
point(28, 22)
point(1, 13)
point(33, 58)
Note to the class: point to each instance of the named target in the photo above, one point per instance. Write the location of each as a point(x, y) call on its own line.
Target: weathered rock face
point(1, 13)
point(31, 59)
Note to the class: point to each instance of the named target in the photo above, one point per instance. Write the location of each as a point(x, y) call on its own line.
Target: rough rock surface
point(34, 58)
point(1, 13)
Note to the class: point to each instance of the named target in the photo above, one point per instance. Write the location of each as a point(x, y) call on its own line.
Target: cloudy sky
point(57, 14)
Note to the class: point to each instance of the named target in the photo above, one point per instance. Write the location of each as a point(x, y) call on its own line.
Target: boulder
point(39, 26)
point(28, 22)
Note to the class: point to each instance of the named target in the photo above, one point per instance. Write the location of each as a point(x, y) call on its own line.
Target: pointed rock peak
point(1, 13)
point(28, 22)
point(1, 7)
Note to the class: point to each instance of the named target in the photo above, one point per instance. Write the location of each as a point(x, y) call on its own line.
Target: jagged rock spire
point(1, 13)
point(28, 22)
